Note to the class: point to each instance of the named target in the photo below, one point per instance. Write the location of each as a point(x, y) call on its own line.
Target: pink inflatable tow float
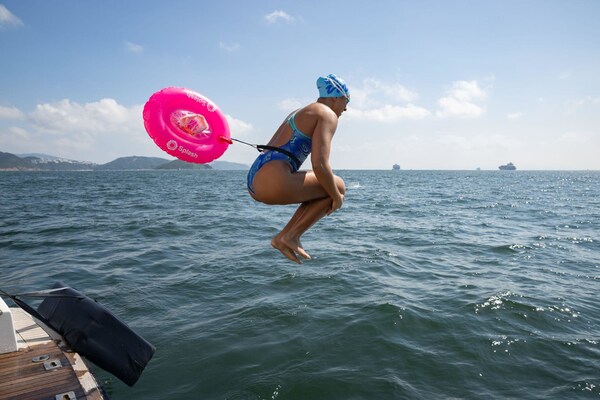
point(186, 125)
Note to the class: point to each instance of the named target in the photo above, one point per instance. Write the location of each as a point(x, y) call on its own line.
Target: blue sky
point(435, 84)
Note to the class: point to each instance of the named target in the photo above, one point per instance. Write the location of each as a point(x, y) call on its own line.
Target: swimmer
point(274, 177)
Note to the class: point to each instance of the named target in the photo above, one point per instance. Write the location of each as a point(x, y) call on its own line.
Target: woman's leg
point(283, 245)
point(276, 184)
point(306, 216)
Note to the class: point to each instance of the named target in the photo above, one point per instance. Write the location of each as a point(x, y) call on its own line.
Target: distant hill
point(178, 164)
point(10, 161)
point(45, 162)
point(133, 163)
point(45, 157)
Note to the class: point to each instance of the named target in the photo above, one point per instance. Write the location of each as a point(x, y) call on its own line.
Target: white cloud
point(83, 141)
point(587, 100)
point(373, 93)
point(389, 113)
point(514, 115)
point(16, 135)
point(133, 47)
point(479, 142)
point(460, 100)
point(290, 104)
point(8, 19)
point(237, 126)
point(375, 100)
point(16, 140)
point(278, 15)
point(11, 113)
point(393, 91)
point(229, 48)
point(19, 133)
point(573, 137)
point(588, 103)
point(454, 107)
point(103, 116)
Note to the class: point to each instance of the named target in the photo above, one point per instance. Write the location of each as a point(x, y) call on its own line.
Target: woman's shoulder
point(318, 110)
point(313, 115)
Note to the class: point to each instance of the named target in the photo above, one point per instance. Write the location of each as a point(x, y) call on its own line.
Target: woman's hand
point(336, 204)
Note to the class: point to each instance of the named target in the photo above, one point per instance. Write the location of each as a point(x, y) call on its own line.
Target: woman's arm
point(321, 149)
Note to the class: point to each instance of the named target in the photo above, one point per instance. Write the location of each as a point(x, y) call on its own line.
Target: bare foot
point(285, 250)
point(295, 245)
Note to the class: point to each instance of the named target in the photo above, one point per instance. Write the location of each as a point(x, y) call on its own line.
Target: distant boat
point(396, 167)
point(508, 167)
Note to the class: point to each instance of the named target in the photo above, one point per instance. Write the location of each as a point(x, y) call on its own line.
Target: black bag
point(95, 333)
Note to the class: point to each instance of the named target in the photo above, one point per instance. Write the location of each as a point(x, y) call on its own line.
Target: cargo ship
point(507, 167)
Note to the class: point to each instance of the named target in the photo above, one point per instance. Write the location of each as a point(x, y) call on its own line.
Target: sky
point(451, 85)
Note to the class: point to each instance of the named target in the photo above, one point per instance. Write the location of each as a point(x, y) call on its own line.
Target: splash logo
point(205, 102)
point(171, 145)
point(188, 152)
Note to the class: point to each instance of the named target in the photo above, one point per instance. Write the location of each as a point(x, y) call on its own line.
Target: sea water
point(426, 284)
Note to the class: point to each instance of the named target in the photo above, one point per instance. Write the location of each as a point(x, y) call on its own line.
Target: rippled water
point(427, 284)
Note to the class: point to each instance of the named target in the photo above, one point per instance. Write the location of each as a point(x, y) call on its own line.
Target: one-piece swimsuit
point(299, 145)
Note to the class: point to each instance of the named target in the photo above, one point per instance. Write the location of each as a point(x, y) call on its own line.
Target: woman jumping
point(274, 177)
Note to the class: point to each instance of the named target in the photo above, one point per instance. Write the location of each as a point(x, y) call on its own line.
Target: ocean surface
point(425, 285)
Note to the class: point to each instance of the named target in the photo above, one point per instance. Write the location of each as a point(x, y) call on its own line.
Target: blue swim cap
point(332, 86)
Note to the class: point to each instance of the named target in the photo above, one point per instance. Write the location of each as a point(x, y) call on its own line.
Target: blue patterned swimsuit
point(299, 145)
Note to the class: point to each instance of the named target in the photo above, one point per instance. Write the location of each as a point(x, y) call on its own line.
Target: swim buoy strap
point(261, 147)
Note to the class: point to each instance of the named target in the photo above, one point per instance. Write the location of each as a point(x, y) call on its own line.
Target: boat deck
point(43, 368)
